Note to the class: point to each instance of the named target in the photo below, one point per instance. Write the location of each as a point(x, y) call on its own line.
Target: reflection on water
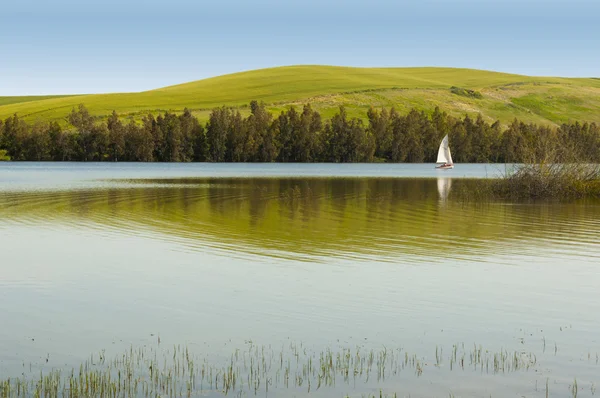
point(215, 262)
point(315, 219)
point(444, 185)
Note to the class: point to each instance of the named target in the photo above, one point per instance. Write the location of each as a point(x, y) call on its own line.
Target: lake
point(297, 261)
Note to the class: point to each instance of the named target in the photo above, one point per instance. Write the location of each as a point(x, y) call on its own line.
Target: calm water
point(104, 257)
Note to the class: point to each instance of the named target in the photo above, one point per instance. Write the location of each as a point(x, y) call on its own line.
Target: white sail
point(444, 155)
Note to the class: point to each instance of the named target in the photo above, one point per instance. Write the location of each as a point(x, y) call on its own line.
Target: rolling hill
point(27, 98)
point(495, 95)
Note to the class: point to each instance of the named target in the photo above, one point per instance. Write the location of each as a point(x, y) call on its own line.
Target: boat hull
point(445, 167)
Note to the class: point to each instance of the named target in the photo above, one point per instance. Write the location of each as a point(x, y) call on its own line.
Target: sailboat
point(444, 155)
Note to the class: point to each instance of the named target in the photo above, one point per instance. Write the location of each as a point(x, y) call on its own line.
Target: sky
point(92, 46)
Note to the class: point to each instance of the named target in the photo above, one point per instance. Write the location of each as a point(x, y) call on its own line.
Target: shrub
point(465, 92)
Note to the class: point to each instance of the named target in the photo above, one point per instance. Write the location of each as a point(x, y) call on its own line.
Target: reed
point(532, 181)
point(253, 370)
point(549, 180)
point(552, 171)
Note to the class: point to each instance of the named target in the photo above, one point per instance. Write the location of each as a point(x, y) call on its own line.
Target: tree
point(398, 152)
point(308, 143)
point(594, 148)
point(116, 137)
point(380, 128)
point(13, 137)
point(512, 144)
point(260, 134)
point(257, 130)
point(440, 126)
point(295, 137)
point(36, 145)
point(360, 142)
point(192, 138)
point(93, 139)
point(236, 139)
point(81, 118)
point(3, 152)
point(414, 124)
point(481, 141)
point(96, 143)
point(269, 148)
point(286, 125)
point(200, 145)
point(407, 143)
point(216, 133)
point(461, 140)
point(347, 139)
point(56, 142)
point(495, 137)
point(170, 127)
point(335, 129)
point(139, 143)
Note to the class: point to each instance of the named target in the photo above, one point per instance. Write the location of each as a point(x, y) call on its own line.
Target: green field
point(497, 95)
point(27, 98)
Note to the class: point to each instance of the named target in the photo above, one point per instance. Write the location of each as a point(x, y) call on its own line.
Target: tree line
point(292, 136)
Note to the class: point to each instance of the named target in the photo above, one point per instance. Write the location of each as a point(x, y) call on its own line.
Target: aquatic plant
point(254, 370)
point(549, 180)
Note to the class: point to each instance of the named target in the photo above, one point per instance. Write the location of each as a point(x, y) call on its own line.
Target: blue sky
point(91, 46)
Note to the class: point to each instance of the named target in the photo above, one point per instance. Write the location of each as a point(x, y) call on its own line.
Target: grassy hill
point(27, 98)
point(458, 91)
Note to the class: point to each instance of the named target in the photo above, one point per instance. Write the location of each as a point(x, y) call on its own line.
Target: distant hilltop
point(494, 95)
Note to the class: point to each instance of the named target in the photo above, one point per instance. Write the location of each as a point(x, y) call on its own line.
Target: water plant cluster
point(549, 180)
point(255, 370)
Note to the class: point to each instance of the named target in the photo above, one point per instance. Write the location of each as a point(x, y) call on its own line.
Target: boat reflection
point(443, 186)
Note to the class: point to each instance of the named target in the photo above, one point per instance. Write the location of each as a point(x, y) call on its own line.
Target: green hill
point(458, 91)
point(27, 98)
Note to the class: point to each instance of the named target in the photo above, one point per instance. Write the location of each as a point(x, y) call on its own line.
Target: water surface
point(104, 257)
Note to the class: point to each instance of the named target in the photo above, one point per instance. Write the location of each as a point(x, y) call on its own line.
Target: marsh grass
point(554, 171)
point(533, 182)
point(549, 180)
point(254, 370)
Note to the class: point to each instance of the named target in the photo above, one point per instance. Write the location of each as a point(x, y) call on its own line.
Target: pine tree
point(116, 137)
point(216, 134)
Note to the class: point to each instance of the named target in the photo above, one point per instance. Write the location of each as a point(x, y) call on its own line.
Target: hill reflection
point(315, 218)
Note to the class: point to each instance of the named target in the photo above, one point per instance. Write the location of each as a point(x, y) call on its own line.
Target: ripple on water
point(316, 219)
point(312, 258)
